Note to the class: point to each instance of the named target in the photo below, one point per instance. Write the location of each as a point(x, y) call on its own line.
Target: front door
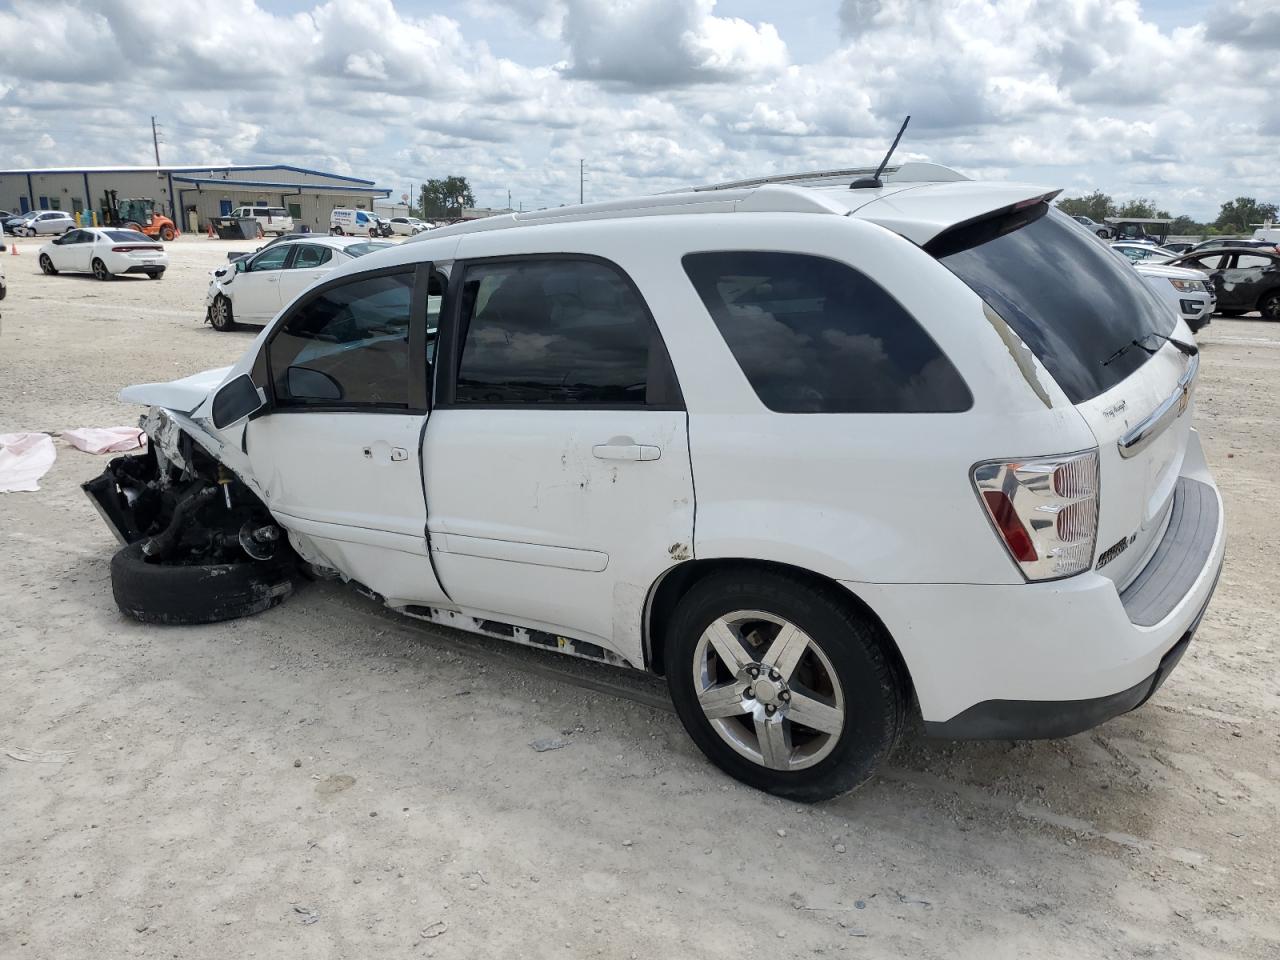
point(255, 293)
point(337, 454)
point(557, 460)
point(78, 248)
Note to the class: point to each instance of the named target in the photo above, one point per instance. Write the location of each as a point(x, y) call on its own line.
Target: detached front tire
point(196, 593)
point(783, 683)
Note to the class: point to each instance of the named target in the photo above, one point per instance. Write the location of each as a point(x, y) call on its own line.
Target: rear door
point(1249, 275)
point(557, 458)
point(337, 452)
point(310, 262)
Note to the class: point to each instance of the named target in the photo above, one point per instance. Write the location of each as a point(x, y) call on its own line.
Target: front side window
point(554, 332)
point(348, 346)
point(813, 335)
point(270, 259)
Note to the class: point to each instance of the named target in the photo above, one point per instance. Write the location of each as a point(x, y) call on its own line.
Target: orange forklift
point(137, 214)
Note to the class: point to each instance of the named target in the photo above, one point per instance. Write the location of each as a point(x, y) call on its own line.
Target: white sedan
point(253, 289)
point(104, 252)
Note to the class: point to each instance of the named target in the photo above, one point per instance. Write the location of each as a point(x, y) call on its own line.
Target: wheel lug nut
point(753, 672)
point(749, 693)
point(786, 695)
point(774, 675)
point(770, 709)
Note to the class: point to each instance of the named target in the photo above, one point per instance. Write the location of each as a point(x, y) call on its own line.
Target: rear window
point(128, 236)
point(1071, 300)
point(814, 335)
point(360, 249)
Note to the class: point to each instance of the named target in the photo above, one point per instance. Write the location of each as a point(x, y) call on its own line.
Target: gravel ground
point(326, 780)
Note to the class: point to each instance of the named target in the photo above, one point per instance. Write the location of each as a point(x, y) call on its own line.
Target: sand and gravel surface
point(326, 780)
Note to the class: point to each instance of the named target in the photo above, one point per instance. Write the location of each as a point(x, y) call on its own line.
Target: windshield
point(1070, 299)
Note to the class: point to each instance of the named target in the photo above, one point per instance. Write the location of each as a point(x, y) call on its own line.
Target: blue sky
point(1172, 100)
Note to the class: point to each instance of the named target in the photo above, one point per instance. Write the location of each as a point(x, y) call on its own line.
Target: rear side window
point(348, 346)
point(1071, 300)
point(558, 332)
point(308, 255)
point(814, 335)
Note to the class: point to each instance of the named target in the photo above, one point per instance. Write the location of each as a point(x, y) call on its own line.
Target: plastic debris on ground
point(24, 459)
point(105, 439)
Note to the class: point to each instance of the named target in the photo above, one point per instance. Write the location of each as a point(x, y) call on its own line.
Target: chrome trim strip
point(1140, 436)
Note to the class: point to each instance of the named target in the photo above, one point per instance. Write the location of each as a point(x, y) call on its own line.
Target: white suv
point(271, 219)
point(824, 457)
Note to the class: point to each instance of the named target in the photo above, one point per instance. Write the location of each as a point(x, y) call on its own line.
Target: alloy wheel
point(100, 270)
point(220, 313)
point(768, 690)
point(1271, 307)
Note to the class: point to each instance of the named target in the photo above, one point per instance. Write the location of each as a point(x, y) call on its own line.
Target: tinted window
point(349, 345)
point(816, 336)
point(1069, 299)
point(308, 255)
point(127, 236)
point(1246, 260)
point(360, 249)
point(570, 331)
point(270, 259)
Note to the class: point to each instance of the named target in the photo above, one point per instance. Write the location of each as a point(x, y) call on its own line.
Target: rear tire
point(46, 266)
point(100, 270)
point(166, 233)
point(221, 316)
point(155, 275)
point(336, 231)
point(196, 593)
point(1269, 305)
point(844, 678)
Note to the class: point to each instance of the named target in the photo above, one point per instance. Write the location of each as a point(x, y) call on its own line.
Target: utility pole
point(582, 176)
point(508, 199)
point(155, 142)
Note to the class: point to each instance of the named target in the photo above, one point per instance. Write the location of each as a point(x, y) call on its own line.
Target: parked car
point(1178, 246)
point(1243, 280)
point(270, 219)
point(1188, 292)
point(1098, 229)
point(252, 289)
point(13, 221)
point(1143, 252)
point(382, 226)
point(104, 252)
point(406, 226)
point(1215, 242)
point(915, 488)
point(46, 223)
point(344, 222)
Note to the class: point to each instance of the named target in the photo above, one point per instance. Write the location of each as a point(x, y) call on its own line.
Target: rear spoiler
point(996, 223)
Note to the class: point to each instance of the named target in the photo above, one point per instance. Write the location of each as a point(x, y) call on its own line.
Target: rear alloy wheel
point(221, 316)
point(1269, 306)
point(783, 684)
point(100, 270)
point(46, 265)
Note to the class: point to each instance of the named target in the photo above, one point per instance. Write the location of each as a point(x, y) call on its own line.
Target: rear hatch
point(1103, 334)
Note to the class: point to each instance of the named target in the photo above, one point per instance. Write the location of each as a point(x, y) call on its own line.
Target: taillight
point(1045, 511)
point(133, 248)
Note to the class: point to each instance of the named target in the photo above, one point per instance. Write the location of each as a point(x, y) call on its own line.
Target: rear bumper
point(1011, 661)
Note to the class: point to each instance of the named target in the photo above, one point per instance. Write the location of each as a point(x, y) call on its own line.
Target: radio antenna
point(871, 183)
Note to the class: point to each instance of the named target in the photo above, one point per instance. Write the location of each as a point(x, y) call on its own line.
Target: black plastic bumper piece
point(1049, 719)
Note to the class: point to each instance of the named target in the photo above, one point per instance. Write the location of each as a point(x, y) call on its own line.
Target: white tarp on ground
point(24, 459)
point(105, 439)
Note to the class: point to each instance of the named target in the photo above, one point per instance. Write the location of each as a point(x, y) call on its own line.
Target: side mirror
point(57, 241)
point(236, 400)
point(307, 384)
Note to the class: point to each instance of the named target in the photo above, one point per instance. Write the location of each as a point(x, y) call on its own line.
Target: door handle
point(624, 448)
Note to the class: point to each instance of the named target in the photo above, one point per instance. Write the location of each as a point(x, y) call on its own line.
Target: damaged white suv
point(824, 456)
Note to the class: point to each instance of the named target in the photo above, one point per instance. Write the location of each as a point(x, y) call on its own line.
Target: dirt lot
point(327, 781)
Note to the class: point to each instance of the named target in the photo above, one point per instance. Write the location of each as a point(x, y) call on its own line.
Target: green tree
point(1141, 209)
point(1239, 215)
point(445, 198)
point(1096, 206)
point(1184, 226)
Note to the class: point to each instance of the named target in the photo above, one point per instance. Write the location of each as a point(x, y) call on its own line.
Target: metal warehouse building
point(197, 193)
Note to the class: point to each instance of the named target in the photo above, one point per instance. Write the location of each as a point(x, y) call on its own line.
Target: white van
point(359, 222)
point(271, 219)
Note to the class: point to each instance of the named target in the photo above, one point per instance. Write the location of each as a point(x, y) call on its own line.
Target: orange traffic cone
point(212, 235)
point(13, 250)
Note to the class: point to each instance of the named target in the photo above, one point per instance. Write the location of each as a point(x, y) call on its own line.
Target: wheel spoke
point(814, 713)
point(786, 650)
point(722, 701)
point(728, 646)
point(775, 743)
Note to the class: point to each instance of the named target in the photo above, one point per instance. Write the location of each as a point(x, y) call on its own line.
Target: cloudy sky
point(1178, 100)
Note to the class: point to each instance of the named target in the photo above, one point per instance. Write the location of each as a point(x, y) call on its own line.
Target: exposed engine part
point(163, 544)
point(224, 481)
point(259, 542)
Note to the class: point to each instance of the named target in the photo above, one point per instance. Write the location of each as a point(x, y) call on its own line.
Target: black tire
point(1231, 313)
point(155, 274)
point(221, 317)
point(167, 233)
point(100, 270)
point(1269, 305)
point(46, 266)
point(335, 231)
point(197, 593)
point(875, 695)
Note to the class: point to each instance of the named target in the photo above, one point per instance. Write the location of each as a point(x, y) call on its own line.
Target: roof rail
point(910, 172)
